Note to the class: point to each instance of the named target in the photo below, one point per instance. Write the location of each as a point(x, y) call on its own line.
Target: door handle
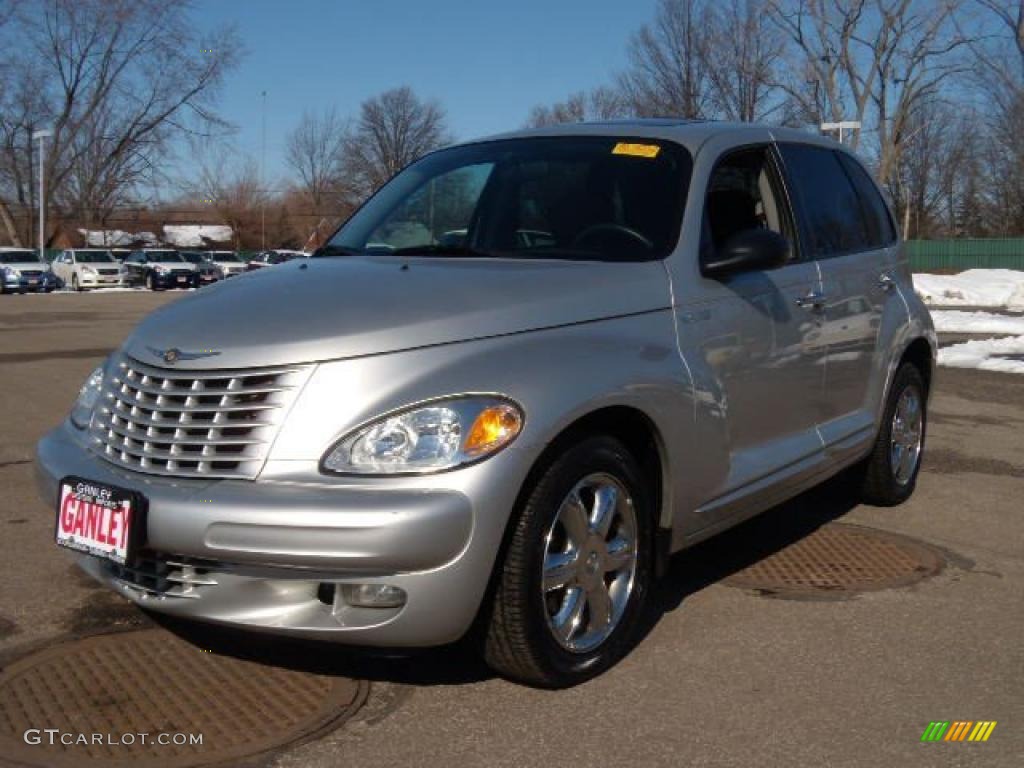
point(885, 282)
point(813, 300)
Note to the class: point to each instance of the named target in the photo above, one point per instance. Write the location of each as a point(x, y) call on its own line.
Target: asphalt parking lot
point(723, 676)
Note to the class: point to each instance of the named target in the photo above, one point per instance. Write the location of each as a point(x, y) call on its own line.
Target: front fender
point(557, 376)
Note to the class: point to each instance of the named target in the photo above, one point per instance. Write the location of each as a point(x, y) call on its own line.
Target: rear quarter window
point(880, 229)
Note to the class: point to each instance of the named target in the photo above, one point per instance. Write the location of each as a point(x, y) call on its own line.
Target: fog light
point(373, 595)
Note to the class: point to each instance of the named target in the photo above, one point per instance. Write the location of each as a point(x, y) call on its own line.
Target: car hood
point(333, 308)
point(28, 265)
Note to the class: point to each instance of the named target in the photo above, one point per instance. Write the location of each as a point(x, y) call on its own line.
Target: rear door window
point(831, 211)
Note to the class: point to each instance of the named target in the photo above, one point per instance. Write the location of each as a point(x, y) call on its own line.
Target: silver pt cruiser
point(522, 375)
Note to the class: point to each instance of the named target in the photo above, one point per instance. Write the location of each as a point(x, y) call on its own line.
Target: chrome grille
point(109, 271)
point(157, 576)
point(216, 423)
point(31, 273)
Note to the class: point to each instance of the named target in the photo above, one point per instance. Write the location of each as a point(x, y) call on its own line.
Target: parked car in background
point(21, 271)
point(230, 263)
point(208, 271)
point(270, 258)
point(513, 431)
point(159, 269)
point(83, 268)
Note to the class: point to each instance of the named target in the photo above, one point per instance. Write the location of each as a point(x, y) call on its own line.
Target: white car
point(21, 271)
point(229, 262)
point(82, 268)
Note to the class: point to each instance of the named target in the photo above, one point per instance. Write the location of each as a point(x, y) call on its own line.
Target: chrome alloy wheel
point(906, 435)
point(589, 563)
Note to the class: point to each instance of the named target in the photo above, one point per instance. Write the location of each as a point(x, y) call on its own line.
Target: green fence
point(955, 255)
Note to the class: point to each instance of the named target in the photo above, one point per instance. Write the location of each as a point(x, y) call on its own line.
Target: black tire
point(880, 485)
point(150, 282)
point(75, 285)
point(519, 643)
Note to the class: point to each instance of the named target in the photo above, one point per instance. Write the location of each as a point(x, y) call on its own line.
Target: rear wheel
point(890, 472)
point(577, 569)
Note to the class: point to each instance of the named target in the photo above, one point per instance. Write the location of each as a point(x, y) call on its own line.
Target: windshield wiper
point(439, 250)
point(337, 250)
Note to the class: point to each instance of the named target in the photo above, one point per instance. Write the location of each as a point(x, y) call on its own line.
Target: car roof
point(689, 133)
point(18, 248)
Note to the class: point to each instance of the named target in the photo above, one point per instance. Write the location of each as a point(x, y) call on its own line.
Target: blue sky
point(487, 62)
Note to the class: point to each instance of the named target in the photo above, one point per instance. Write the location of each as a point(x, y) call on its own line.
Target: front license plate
point(32, 281)
point(182, 279)
point(98, 519)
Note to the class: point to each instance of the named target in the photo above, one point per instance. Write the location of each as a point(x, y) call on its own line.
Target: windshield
point(18, 257)
point(154, 256)
point(93, 257)
point(576, 197)
point(192, 256)
point(224, 256)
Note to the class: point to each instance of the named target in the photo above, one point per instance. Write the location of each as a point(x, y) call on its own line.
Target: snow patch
point(1003, 355)
point(973, 288)
point(196, 235)
point(117, 238)
point(953, 321)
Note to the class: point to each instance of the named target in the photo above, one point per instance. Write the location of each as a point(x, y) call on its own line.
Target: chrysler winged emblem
point(173, 354)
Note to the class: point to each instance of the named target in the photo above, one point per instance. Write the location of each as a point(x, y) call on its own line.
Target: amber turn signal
point(493, 428)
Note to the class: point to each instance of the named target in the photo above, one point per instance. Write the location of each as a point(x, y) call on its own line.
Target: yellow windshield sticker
point(636, 150)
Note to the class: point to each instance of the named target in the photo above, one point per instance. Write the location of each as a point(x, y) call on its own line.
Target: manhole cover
point(103, 692)
point(838, 560)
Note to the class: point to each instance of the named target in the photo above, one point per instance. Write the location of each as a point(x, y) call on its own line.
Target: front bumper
point(23, 284)
point(166, 281)
point(100, 281)
point(260, 554)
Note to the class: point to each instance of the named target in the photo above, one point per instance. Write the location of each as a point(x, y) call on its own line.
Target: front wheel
point(577, 569)
point(150, 282)
point(890, 472)
point(75, 286)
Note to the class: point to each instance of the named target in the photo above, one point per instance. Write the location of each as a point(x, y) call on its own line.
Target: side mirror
point(747, 251)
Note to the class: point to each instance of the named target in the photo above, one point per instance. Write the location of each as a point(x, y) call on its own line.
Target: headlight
point(12, 272)
point(160, 270)
point(88, 395)
point(435, 436)
point(88, 271)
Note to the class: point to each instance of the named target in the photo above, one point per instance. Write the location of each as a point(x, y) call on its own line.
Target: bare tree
point(875, 62)
point(231, 188)
point(603, 103)
point(116, 81)
point(394, 128)
point(668, 71)
point(314, 151)
point(743, 52)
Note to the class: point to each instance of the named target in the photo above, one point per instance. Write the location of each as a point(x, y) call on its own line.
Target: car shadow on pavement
point(731, 551)
point(461, 663)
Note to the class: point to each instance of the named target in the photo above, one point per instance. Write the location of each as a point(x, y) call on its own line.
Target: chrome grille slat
point(180, 423)
point(148, 435)
point(166, 407)
point(142, 420)
point(202, 390)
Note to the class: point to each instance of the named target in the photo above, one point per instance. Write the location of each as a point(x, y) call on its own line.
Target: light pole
point(42, 134)
point(849, 125)
point(263, 174)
